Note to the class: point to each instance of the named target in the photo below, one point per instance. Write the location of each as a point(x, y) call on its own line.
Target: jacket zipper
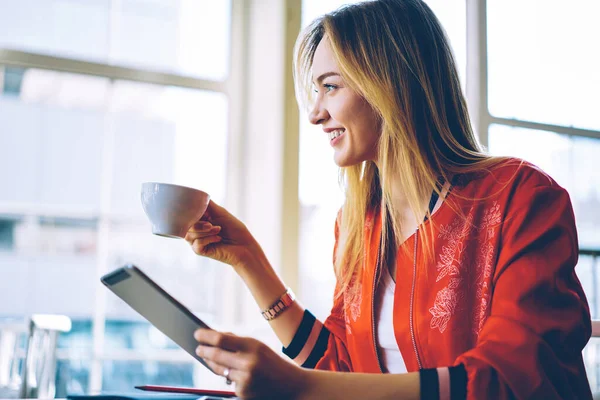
point(432, 203)
point(373, 308)
point(412, 297)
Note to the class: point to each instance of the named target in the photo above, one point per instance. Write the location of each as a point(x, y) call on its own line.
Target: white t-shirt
point(389, 353)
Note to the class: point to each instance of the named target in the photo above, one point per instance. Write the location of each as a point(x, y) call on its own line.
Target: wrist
point(252, 257)
point(303, 384)
point(279, 306)
point(254, 263)
point(259, 276)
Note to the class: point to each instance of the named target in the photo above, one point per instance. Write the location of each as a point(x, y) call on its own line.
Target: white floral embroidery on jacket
point(353, 301)
point(453, 263)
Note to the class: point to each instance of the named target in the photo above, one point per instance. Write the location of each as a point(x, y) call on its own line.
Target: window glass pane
point(319, 192)
point(189, 37)
point(49, 266)
point(55, 26)
point(60, 129)
point(453, 17)
point(79, 339)
point(51, 126)
point(312, 9)
point(83, 146)
point(165, 134)
point(542, 66)
point(568, 160)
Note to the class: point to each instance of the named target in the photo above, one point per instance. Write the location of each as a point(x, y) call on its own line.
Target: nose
point(318, 114)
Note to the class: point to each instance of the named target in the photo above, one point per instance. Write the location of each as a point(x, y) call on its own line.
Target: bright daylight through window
point(83, 144)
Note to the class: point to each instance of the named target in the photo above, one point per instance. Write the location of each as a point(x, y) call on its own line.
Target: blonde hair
point(395, 54)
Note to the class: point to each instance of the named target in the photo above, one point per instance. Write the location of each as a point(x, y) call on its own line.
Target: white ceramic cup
point(172, 209)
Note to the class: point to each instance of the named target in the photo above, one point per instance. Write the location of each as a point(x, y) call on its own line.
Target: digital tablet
point(152, 302)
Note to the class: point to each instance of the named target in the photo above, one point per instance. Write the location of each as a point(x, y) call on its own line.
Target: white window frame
point(477, 82)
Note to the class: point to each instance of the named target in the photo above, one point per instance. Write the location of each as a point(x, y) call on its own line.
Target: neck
point(403, 213)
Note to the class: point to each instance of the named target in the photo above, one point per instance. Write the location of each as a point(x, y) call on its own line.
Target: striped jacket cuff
point(448, 383)
point(309, 343)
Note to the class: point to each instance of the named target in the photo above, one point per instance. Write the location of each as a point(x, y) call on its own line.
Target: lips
point(336, 136)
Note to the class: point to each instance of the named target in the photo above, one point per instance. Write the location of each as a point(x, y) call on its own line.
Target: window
point(541, 66)
point(82, 143)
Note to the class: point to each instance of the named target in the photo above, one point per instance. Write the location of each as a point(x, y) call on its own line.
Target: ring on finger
point(226, 373)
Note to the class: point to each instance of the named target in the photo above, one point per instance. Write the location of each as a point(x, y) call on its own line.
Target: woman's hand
point(256, 370)
point(222, 237)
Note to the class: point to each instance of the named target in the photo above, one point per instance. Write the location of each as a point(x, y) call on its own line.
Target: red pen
point(175, 389)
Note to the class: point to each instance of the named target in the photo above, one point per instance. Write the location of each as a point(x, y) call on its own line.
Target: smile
point(335, 134)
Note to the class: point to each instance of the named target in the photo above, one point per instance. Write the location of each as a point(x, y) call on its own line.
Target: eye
point(328, 88)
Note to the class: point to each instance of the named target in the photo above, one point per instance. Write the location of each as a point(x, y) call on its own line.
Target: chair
point(29, 371)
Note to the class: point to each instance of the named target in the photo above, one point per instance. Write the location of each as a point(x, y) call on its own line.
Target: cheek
point(339, 113)
point(368, 124)
point(356, 115)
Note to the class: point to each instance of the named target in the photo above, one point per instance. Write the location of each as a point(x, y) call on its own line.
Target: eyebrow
point(326, 75)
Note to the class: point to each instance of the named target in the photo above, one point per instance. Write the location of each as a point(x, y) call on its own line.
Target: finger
point(219, 369)
point(227, 341)
point(193, 235)
point(200, 245)
point(201, 226)
point(217, 355)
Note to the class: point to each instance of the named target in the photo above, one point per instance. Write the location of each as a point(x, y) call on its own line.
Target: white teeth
point(336, 133)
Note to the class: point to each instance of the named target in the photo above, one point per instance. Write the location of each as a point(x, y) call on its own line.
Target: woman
point(455, 270)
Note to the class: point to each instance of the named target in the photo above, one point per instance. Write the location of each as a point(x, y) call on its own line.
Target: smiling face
point(350, 123)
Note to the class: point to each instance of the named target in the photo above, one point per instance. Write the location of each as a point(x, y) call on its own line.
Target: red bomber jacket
point(500, 299)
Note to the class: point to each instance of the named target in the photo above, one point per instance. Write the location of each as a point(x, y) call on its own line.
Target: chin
point(342, 161)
